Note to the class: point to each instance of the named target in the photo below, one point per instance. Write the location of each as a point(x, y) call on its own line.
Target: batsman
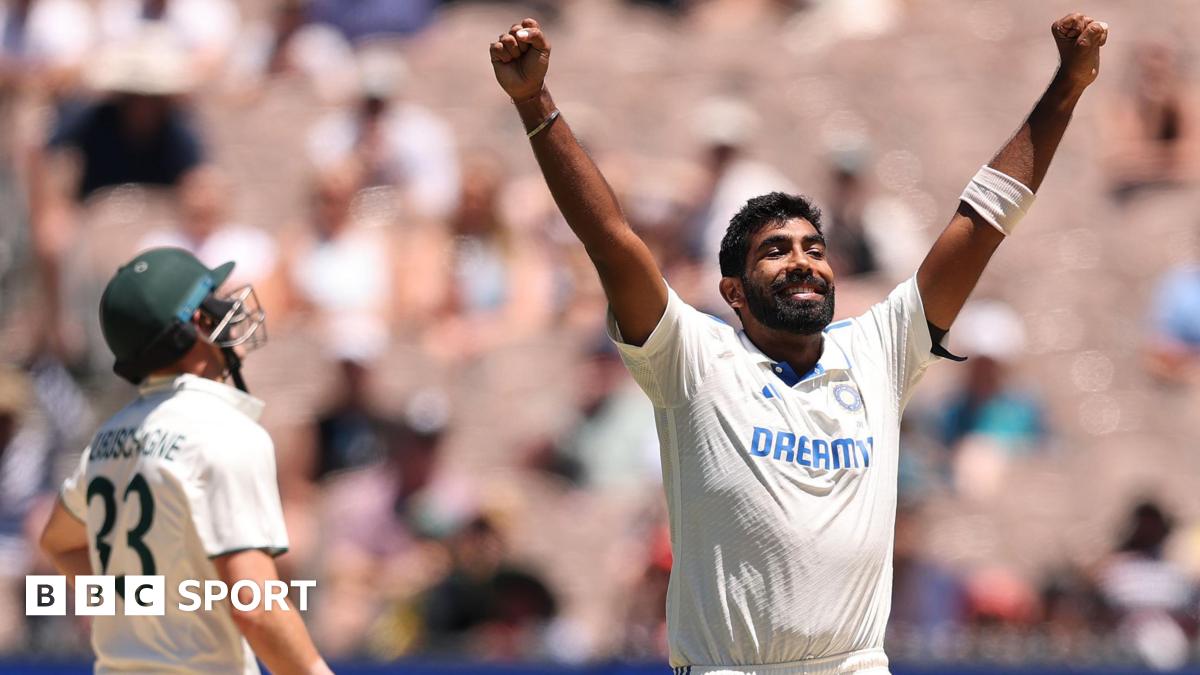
point(779, 440)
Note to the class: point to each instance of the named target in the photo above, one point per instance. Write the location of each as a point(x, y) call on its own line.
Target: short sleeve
point(902, 331)
point(73, 492)
point(238, 507)
point(671, 364)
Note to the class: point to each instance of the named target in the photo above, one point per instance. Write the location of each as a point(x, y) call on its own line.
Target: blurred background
point(466, 468)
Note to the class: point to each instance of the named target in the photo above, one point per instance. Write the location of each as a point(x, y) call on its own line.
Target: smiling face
point(787, 284)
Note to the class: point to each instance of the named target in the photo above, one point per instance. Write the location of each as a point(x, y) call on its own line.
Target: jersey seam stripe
point(902, 383)
point(676, 525)
point(273, 551)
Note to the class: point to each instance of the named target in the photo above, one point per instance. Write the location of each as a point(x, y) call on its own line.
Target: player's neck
point(801, 352)
point(199, 361)
point(175, 371)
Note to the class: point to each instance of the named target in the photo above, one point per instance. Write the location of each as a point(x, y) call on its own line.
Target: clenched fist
point(520, 59)
point(1079, 39)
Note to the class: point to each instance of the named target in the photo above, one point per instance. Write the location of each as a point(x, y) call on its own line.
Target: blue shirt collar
point(832, 358)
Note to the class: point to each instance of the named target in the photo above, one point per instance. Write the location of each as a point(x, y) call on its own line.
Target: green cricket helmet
point(147, 308)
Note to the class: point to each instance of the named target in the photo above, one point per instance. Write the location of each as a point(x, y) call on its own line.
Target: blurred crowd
point(466, 468)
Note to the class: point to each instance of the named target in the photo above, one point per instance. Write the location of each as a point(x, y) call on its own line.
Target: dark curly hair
point(774, 207)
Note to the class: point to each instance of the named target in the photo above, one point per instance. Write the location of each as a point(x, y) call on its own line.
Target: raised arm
point(632, 281)
point(958, 257)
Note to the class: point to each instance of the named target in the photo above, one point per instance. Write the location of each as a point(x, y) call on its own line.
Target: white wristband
point(998, 198)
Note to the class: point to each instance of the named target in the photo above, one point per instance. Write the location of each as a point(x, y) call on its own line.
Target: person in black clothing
point(139, 131)
point(853, 253)
point(485, 601)
point(129, 138)
point(349, 433)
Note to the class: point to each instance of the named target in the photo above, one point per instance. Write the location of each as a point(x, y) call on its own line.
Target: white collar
point(832, 358)
point(241, 401)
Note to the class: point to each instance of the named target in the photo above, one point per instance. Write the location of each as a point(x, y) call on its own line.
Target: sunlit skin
point(780, 259)
point(204, 359)
point(787, 280)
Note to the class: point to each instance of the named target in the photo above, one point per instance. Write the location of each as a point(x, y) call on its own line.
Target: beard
point(805, 317)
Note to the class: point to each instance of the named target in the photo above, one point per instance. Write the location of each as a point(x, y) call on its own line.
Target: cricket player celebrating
point(779, 441)
point(181, 482)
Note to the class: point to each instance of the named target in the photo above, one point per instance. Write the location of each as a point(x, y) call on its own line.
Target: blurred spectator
point(868, 232)
point(997, 595)
point(399, 143)
point(711, 15)
point(987, 419)
point(852, 242)
point(499, 282)
point(359, 19)
point(343, 306)
point(987, 403)
point(1153, 126)
point(1152, 597)
point(645, 621)
point(486, 605)
point(289, 18)
point(42, 412)
point(828, 23)
point(205, 230)
point(612, 443)
point(924, 464)
point(289, 43)
point(1173, 353)
point(140, 132)
point(44, 41)
point(205, 29)
point(349, 432)
point(926, 597)
point(546, 11)
point(1073, 612)
point(673, 6)
point(659, 218)
point(525, 205)
point(726, 126)
point(465, 266)
point(30, 444)
point(43, 47)
point(24, 479)
point(377, 520)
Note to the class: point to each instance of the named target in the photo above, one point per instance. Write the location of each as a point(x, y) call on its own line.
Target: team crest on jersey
point(847, 397)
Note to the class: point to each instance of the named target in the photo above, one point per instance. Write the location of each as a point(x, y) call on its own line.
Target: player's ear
point(202, 322)
point(733, 293)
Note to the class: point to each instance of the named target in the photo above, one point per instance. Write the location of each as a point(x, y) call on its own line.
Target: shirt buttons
point(778, 369)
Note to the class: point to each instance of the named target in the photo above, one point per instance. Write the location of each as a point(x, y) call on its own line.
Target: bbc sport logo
point(96, 595)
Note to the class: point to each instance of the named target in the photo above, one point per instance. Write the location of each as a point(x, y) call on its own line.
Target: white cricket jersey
point(180, 476)
point(781, 488)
